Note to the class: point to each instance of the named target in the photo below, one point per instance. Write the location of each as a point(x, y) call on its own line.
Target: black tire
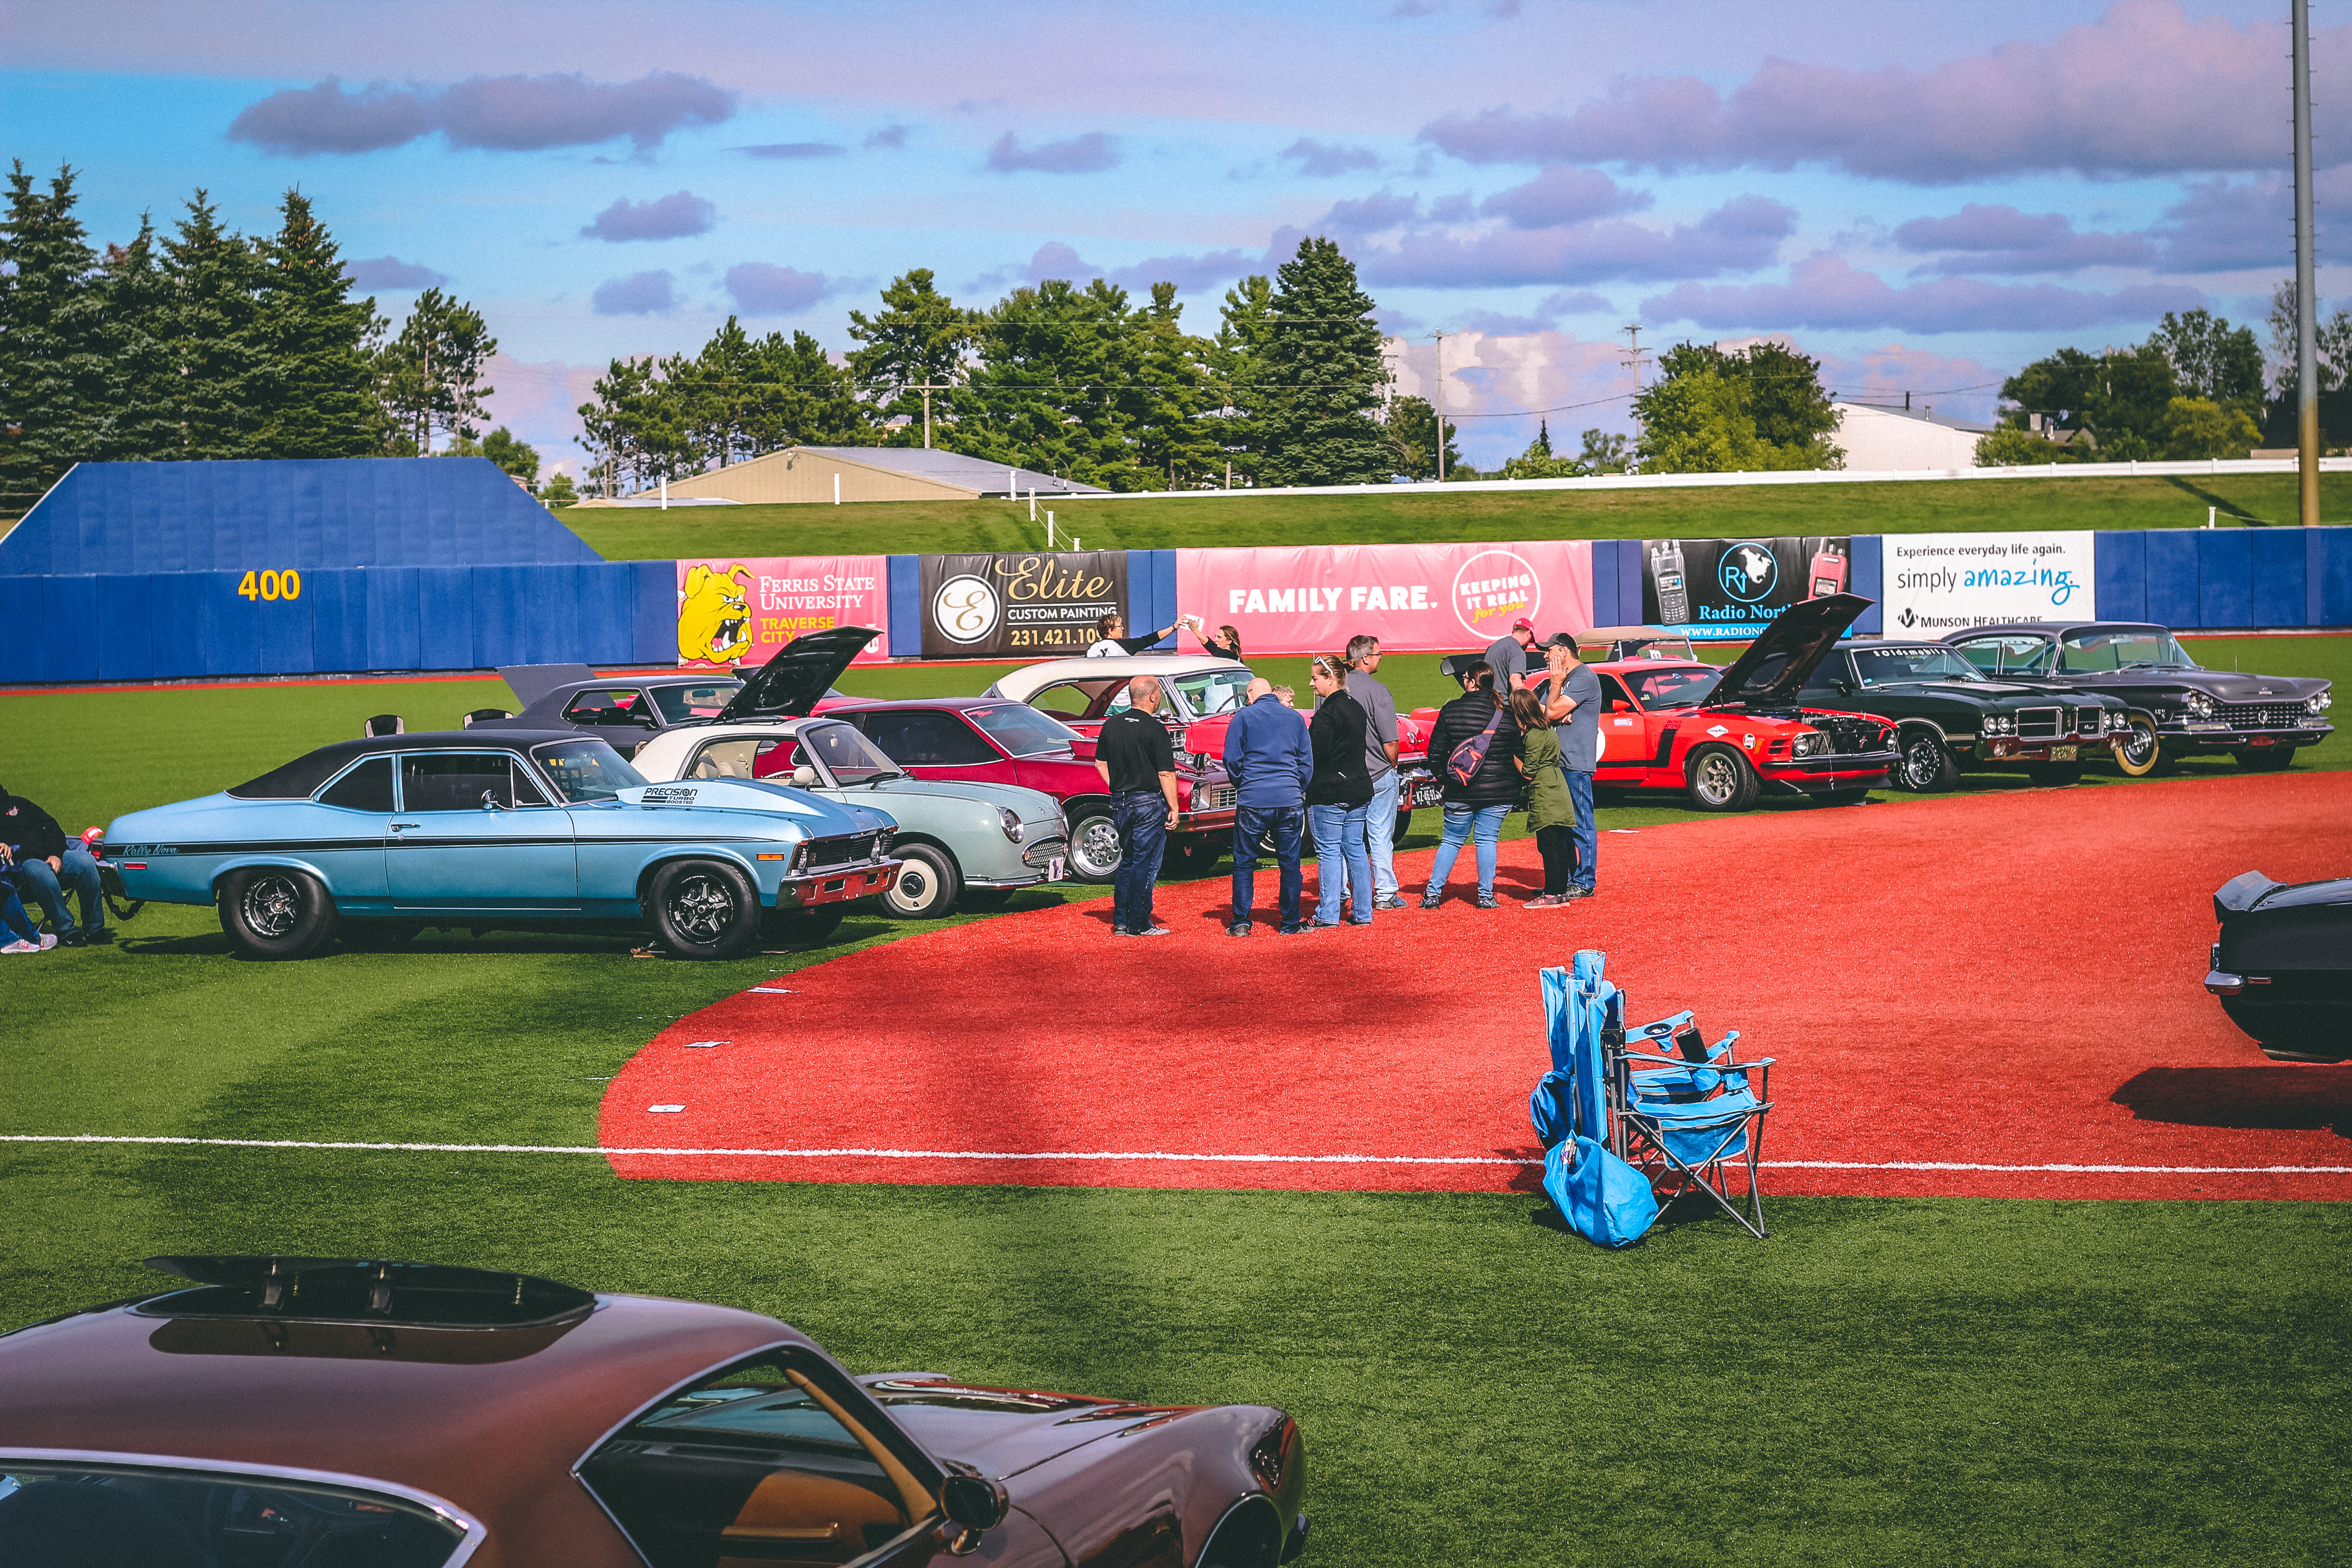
point(1719, 779)
point(2142, 752)
point(928, 884)
point(2054, 776)
point(1094, 848)
point(379, 936)
point(803, 929)
point(273, 912)
point(2265, 759)
point(704, 909)
point(1923, 763)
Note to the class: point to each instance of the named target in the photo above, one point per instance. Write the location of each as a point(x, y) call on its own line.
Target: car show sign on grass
point(1937, 583)
point(1416, 598)
point(732, 611)
point(1033, 604)
point(1728, 590)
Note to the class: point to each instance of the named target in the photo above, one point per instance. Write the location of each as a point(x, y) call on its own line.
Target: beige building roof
point(817, 475)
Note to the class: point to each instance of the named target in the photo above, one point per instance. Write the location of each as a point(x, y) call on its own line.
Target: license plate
point(2062, 753)
point(1058, 869)
point(1428, 794)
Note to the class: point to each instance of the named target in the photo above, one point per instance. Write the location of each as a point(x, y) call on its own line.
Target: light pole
point(1441, 406)
point(2306, 284)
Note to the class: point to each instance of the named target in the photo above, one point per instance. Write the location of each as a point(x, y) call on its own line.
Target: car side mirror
point(973, 1502)
point(804, 778)
point(490, 801)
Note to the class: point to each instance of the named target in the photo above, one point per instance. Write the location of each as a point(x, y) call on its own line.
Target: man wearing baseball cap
point(1508, 657)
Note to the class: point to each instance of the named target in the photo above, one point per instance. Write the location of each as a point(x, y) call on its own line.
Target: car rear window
point(87, 1512)
point(926, 736)
point(1023, 731)
point(702, 700)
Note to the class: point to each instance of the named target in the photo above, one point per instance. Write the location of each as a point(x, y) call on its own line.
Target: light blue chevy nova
point(483, 827)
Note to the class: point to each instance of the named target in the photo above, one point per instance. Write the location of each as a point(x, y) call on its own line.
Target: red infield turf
point(1967, 996)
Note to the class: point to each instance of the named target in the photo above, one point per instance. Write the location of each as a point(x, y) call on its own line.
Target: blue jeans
point(81, 875)
point(1343, 866)
point(1142, 819)
point(1461, 823)
point(14, 922)
point(1584, 839)
point(1252, 823)
point(1379, 833)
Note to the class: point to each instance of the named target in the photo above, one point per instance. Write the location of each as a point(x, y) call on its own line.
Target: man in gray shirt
point(1572, 702)
point(1380, 760)
point(1508, 657)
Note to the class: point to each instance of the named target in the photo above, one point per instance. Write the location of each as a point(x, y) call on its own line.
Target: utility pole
point(2306, 283)
point(1441, 406)
point(1634, 358)
point(927, 388)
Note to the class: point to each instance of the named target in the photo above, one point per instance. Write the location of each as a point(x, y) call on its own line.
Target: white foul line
point(1142, 1155)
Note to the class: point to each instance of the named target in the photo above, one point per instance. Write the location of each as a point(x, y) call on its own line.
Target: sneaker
point(100, 936)
point(1153, 930)
point(1335, 925)
point(1301, 929)
point(1239, 928)
point(71, 938)
point(1487, 902)
point(22, 947)
point(1576, 890)
point(1388, 901)
point(1118, 930)
point(1544, 902)
point(1429, 900)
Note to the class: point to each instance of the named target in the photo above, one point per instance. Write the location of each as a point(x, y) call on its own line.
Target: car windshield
point(703, 699)
point(124, 1511)
point(2122, 647)
point(1684, 687)
point(1880, 666)
point(585, 770)
point(847, 756)
point(1023, 731)
point(1211, 691)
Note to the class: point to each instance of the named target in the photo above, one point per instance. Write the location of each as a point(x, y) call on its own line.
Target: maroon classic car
point(341, 1413)
point(991, 740)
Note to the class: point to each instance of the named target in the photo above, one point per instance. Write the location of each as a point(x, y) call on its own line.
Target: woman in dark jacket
point(1226, 644)
point(1474, 809)
point(1338, 797)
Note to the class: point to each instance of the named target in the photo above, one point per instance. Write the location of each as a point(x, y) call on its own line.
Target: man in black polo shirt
point(1135, 758)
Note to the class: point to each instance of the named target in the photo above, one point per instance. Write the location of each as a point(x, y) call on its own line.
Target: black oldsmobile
point(1949, 716)
point(2283, 967)
point(2179, 707)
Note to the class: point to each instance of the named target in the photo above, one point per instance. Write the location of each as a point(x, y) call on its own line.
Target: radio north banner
point(1940, 583)
point(1416, 598)
point(732, 611)
point(1036, 604)
point(1729, 589)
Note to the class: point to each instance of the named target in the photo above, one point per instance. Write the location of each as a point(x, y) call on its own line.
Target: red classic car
point(303, 1412)
point(991, 740)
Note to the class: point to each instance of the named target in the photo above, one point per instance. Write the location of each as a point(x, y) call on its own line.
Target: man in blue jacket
point(1270, 760)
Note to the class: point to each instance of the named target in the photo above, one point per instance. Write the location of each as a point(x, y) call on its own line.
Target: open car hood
point(797, 675)
point(529, 682)
point(1777, 665)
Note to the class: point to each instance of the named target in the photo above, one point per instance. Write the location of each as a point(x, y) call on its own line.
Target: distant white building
point(1888, 440)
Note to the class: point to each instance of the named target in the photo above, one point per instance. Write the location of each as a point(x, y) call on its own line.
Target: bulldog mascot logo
point(713, 620)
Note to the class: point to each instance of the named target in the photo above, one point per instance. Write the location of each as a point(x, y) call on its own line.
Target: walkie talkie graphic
point(1828, 576)
point(1666, 573)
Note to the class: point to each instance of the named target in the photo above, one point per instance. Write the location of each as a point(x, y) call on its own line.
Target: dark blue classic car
point(2282, 964)
point(494, 828)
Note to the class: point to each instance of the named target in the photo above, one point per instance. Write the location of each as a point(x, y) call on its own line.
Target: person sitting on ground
point(1111, 645)
point(46, 862)
point(1551, 813)
point(26, 937)
point(1474, 809)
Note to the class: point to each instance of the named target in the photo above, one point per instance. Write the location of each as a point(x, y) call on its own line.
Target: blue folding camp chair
point(1692, 1119)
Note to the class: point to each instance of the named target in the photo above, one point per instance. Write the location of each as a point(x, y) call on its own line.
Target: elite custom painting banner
point(1728, 590)
point(1416, 598)
point(732, 611)
point(1038, 603)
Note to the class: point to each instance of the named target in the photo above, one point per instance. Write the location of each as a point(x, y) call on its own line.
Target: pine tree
point(142, 419)
point(429, 377)
point(53, 366)
point(314, 387)
point(812, 401)
point(1410, 433)
point(1238, 377)
point(1325, 374)
point(917, 339)
point(215, 278)
point(1174, 446)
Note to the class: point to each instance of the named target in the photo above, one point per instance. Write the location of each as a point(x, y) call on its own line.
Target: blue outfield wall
point(2198, 579)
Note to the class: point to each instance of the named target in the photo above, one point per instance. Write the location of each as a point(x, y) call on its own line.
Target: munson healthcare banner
point(732, 611)
point(1728, 590)
point(1416, 598)
point(1940, 582)
point(1038, 603)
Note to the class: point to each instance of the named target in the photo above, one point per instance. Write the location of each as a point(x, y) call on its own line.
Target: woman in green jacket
point(1551, 813)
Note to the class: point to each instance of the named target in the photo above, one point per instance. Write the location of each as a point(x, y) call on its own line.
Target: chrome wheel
point(1095, 851)
point(2140, 750)
point(271, 905)
point(701, 907)
point(1716, 780)
point(1925, 767)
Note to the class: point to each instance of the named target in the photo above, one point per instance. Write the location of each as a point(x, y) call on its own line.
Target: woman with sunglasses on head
point(1338, 797)
point(1475, 805)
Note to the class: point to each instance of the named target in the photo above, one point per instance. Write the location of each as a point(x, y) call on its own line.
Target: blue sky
point(1924, 195)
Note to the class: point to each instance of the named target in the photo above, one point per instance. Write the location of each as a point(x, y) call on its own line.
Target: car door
point(933, 744)
point(475, 832)
point(1628, 736)
point(354, 815)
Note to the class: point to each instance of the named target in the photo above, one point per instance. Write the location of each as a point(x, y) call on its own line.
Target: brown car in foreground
point(342, 1413)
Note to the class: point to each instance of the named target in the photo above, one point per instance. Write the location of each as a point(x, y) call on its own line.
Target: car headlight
point(1995, 724)
point(2322, 702)
point(1810, 744)
point(1011, 822)
point(2199, 706)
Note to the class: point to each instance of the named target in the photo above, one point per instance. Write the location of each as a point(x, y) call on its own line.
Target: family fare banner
point(732, 611)
point(1941, 582)
point(1416, 598)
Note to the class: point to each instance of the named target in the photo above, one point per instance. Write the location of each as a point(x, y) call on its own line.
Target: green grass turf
point(1884, 1381)
point(1428, 514)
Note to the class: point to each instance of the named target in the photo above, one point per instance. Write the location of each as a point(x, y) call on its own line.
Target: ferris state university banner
point(1416, 598)
point(737, 610)
point(1033, 604)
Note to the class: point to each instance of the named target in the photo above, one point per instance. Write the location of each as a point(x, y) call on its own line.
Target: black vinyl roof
point(301, 779)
